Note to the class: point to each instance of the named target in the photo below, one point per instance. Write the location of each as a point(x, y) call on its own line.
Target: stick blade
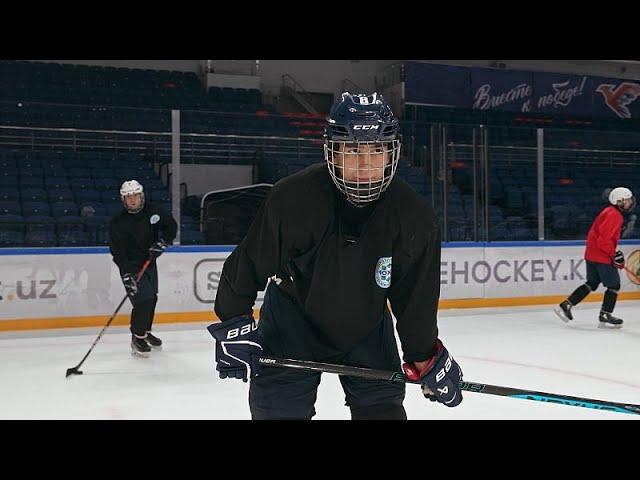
point(73, 371)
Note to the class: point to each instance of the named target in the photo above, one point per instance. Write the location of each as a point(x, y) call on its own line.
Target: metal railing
point(483, 182)
point(195, 147)
point(443, 162)
point(234, 67)
point(291, 86)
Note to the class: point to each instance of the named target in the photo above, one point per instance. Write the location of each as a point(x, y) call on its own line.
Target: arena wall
point(79, 287)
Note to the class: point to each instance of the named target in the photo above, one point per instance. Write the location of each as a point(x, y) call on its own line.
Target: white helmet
point(131, 187)
point(617, 195)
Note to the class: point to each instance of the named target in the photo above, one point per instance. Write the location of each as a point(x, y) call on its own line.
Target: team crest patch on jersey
point(383, 272)
point(155, 218)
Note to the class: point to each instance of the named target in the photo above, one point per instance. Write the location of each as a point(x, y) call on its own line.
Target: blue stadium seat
point(79, 172)
point(73, 162)
point(88, 209)
point(11, 222)
point(33, 195)
point(110, 196)
point(35, 208)
point(63, 209)
point(69, 223)
point(495, 213)
point(191, 237)
point(56, 183)
point(30, 163)
point(114, 208)
point(81, 183)
point(117, 165)
point(460, 233)
point(153, 184)
point(11, 238)
point(87, 196)
point(166, 206)
point(6, 163)
point(8, 180)
point(108, 184)
point(97, 229)
point(31, 182)
point(40, 223)
point(73, 239)
point(10, 171)
point(58, 171)
point(524, 234)
point(499, 231)
point(30, 171)
point(9, 193)
point(160, 196)
point(514, 199)
point(101, 172)
point(10, 207)
point(40, 239)
point(60, 196)
point(456, 210)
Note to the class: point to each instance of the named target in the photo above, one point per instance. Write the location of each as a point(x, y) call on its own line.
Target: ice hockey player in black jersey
point(339, 244)
point(140, 231)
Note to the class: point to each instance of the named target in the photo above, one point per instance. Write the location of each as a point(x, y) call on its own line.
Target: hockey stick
point(468, 386)
point(74, 370)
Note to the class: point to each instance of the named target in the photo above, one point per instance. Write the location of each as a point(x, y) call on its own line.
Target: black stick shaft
point(468, 386)
point(138, 276)
point(101, 332)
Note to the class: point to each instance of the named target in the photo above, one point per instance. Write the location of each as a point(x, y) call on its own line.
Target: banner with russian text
point(520, 91)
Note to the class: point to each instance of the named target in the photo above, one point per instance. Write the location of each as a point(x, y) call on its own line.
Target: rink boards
point(73, 287)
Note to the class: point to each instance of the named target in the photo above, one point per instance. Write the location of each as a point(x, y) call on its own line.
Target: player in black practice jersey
point(140, 231)
point(338, 243)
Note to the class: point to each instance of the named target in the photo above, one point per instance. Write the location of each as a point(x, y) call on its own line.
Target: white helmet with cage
point(618, 195)
point(128, 188)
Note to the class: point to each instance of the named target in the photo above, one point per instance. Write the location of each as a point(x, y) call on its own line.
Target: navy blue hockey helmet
point(362, 148)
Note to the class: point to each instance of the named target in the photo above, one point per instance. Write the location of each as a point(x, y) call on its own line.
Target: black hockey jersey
point(342, 275)
point(131, 235)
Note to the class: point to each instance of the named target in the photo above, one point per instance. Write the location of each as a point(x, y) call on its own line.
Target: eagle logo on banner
point(619, 97)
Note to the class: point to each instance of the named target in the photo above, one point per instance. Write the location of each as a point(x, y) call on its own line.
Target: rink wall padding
point(43, 288)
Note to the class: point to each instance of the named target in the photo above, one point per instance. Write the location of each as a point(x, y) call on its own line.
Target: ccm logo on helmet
point(366, 127)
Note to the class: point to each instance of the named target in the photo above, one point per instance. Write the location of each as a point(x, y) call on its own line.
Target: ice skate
point(153, 341)
point(609, 321)
point(564, 311)
point(139, 346)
